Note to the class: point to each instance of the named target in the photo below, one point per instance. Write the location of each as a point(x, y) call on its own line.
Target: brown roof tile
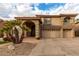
point(24, 18)
point(47, 16)
point(73, 15)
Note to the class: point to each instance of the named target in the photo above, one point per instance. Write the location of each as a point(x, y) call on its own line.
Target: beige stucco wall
point(72, 20)
point(56, 21)
point(59, 20)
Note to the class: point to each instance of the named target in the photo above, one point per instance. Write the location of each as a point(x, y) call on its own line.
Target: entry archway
point(31, 26)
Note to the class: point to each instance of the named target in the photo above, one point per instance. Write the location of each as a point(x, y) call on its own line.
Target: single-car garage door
point(67, 33)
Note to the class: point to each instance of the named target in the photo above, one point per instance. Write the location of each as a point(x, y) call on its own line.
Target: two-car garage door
point(66, 33)
point(50, 33)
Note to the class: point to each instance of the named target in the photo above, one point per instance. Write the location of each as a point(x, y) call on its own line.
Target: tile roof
point(23, 18)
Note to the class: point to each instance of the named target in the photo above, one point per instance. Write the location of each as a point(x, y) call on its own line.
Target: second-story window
point(66, 20)
point(47, 20)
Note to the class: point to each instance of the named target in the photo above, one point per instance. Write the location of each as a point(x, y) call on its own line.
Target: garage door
point(50, 34)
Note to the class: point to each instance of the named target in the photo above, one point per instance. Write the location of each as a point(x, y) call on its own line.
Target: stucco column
point(61, 30)
point(61, 33)
point(73, 33)
point(37, 29)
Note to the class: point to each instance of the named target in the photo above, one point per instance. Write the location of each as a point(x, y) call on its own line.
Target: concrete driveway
point(57, 47)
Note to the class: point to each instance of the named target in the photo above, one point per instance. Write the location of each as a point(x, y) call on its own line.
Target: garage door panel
point(55, 34)
point(46, 34)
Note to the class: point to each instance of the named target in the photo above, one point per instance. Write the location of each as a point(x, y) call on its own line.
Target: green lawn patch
point(3, 42)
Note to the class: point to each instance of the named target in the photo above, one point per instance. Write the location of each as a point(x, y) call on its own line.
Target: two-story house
point(51, 26)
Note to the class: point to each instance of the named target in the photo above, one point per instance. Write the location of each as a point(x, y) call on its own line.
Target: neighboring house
point(51, 26)
point(1, 23)
point(1, 26)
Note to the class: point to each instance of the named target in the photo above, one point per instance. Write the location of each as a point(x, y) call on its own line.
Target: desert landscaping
point(22, 49)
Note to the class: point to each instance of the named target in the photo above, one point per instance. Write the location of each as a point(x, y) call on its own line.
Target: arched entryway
point(31, 26)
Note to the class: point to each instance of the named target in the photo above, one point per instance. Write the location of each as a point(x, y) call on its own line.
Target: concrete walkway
point(56, 47)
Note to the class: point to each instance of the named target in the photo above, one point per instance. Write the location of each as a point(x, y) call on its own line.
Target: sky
point(11, 10)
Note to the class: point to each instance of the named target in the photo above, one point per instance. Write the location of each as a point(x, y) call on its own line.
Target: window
point(47, 20)
point(66, 20)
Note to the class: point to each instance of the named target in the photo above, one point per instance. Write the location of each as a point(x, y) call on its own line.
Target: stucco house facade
point(51, 26)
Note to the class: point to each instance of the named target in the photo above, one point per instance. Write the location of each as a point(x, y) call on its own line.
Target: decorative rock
point(11, 47)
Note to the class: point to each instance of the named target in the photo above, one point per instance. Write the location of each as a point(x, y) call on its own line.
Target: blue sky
point(44, 6)
point(8, 10)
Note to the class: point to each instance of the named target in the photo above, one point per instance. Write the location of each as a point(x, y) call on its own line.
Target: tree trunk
point(22, 37)
point(17, 35)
